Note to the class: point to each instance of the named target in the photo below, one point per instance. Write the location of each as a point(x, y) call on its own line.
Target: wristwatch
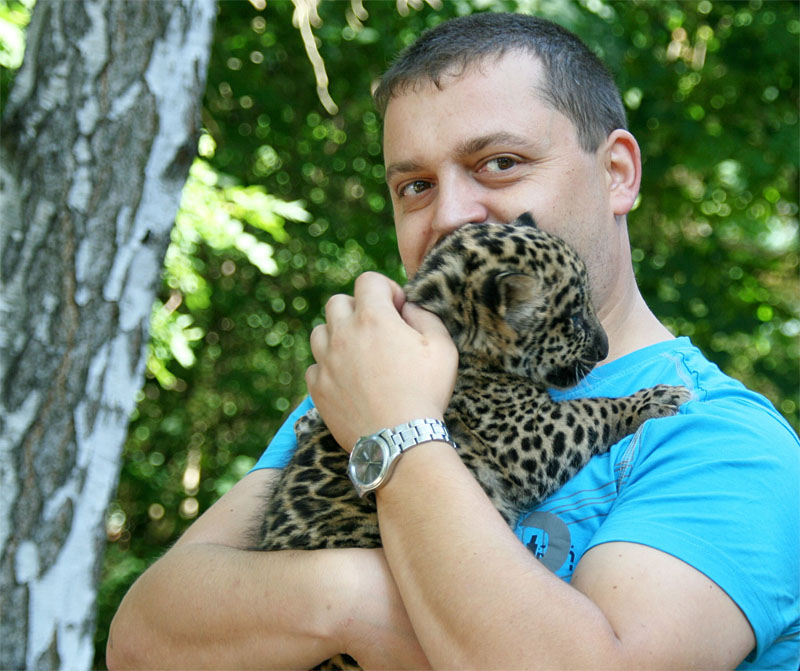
point(374, 457)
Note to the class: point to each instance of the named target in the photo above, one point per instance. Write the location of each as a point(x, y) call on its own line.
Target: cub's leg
point(590, 426)
point(523, 452)
point(616, 418)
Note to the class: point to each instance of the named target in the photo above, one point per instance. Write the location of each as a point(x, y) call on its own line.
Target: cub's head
point(515, 298)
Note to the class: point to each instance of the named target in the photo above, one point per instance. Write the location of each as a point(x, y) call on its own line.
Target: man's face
point(485, 148)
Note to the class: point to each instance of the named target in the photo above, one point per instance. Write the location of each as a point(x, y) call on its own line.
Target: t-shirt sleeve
point(283, 444)
point(720, 492)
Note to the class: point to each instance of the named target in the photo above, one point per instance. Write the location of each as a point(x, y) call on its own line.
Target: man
point(678, 549)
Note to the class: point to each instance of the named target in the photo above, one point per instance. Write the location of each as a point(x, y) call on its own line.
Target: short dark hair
point(577, 83)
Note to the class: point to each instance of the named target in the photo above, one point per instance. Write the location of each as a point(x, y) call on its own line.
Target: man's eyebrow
point(465, 148)
point(401, 167)
point(474, 145)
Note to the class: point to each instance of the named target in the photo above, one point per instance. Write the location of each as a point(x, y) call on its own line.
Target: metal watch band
point(419, 431)
point(373, 457)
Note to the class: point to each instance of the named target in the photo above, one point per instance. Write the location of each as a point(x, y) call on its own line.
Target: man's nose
point(459, 201)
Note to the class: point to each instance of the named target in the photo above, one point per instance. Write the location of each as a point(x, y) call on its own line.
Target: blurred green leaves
point(716, 232)
point(14, 18)
point(217, 212)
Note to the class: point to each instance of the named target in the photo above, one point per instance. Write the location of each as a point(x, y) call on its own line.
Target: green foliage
point(288, 205)
point(716, 233)
point(215, 212)
point(14, 18)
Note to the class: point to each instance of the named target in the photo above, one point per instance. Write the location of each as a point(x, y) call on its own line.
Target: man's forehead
point(454, 71)
point(512, 113)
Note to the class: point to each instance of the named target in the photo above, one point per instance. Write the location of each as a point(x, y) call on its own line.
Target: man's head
point(575, 82)
point(484, 132)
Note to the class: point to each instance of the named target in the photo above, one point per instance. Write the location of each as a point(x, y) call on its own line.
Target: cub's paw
point(308, 425)
point(662, 400)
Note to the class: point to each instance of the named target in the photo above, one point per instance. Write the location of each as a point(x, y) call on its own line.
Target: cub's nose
point(600, 345)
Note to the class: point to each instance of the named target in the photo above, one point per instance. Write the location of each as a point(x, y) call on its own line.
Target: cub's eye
point(576, 321)
point(499, 164)
point(413, 188)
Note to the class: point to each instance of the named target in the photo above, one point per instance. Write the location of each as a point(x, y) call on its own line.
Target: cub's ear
point(526, 219)
point(520, 299)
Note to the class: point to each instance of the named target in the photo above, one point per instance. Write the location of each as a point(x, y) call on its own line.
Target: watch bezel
point(388, 452)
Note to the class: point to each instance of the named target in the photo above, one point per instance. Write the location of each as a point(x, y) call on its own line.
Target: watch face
point(368, 461)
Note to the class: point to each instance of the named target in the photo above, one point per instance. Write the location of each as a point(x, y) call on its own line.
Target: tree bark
point(99, 133)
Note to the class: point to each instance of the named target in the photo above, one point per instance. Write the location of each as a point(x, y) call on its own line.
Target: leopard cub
point(515, 300)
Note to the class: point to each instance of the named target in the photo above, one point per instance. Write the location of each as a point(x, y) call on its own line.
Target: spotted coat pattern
point(516, 302)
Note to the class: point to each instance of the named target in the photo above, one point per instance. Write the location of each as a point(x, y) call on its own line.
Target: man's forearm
point(209, 603)
point(213, 606)
point(440, 545)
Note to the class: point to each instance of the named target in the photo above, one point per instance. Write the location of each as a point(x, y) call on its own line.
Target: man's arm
point(475, 595)
point(629, 606)
point(209, 603)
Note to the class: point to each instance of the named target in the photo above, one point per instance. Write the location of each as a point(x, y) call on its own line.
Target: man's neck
point(630, 325)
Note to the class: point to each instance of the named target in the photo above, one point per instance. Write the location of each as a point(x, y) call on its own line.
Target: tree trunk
point(99, 133)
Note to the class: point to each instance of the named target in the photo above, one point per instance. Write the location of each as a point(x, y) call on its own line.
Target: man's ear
point(623, 161)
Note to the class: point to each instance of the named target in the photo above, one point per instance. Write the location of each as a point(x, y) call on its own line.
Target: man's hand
point(379, 361)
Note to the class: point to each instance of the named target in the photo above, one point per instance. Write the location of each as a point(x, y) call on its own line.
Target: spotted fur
point(515, 300)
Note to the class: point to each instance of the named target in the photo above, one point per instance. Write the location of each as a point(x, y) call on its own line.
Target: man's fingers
point(339, 305)
point(318, 340)
point(375, 289)
point(423, 321)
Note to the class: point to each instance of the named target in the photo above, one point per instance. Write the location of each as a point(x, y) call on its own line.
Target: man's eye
point(499, 164)
point(414, 188)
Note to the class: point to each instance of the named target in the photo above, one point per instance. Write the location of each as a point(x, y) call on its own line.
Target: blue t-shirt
point(717, 486)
